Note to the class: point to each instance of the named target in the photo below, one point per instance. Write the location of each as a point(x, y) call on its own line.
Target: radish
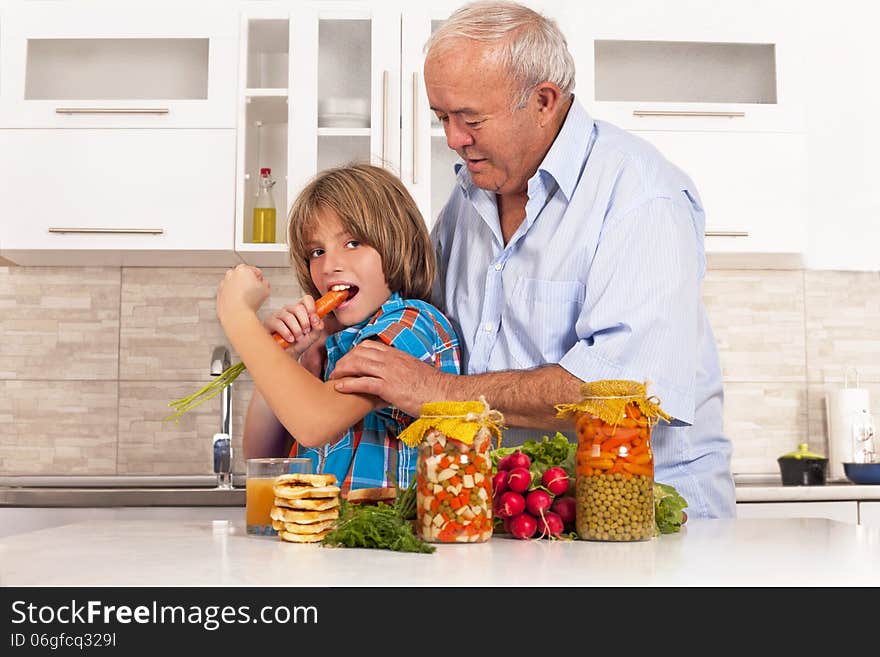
point(555, 480)
point(538, 501)
point(551, 524)
point(566, 508)
point(499, 482)
point(506, 524)
point(510, 504)
point(504, 463)
point(519, 480)
point(520, 460)
point(523, 526)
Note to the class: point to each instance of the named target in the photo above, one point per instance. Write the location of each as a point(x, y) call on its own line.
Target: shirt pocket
point(540, 318)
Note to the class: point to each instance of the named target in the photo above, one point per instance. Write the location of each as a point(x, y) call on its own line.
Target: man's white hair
point(530, 46)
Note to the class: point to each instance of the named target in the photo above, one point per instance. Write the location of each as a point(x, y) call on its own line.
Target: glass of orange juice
point(259, 497)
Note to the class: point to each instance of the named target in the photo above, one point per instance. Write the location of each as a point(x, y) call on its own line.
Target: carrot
point(644, 470)
point(323, 307)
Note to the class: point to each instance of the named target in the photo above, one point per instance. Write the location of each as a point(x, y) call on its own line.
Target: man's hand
point(396, 377)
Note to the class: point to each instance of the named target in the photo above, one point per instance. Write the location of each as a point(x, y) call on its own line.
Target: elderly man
point(569, 251)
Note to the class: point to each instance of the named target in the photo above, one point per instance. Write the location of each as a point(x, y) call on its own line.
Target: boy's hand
point(243, 287)
point(300, 325)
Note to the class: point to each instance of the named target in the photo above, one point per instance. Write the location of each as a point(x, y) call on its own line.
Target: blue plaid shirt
point(368, 451)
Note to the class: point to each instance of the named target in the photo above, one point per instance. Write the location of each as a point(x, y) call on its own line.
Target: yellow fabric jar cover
point(459, 420)
point(608, 399)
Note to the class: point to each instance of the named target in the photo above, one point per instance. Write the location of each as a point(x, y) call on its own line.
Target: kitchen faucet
point(222, 444)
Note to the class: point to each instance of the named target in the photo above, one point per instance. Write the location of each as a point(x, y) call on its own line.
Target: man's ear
point(548, 98)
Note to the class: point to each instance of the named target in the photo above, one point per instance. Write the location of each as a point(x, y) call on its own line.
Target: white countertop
point(742, 552)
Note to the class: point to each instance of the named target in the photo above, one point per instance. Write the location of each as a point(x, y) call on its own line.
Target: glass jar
point(614, 478)
point(614, 462)
point(454, 489)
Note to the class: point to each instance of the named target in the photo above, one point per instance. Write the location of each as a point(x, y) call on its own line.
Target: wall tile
point(150, 445)
point(169, 325)
point(758, 321)
point(764, 421)
point(843, 325)
point(58, 427)
point(59, 323)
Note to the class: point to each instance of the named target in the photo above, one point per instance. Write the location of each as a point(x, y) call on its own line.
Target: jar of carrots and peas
point(614, 463)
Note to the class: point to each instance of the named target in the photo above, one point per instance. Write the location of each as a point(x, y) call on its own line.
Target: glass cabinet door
point(427, 163)
point(346, 105)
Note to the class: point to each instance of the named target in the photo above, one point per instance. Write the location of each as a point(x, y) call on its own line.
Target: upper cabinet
point(117, 134)
point(99, 65)
point(682, 65)
point(328, 84)
point(718, 89)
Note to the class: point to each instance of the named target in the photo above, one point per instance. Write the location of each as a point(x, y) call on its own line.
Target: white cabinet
point(105, 65)
point(869, 514)
point(117, 197)
point(843, 511)
point(117, 134)
point(719, 89)
point(332, 83)
point(321, 89)
point(752, 186)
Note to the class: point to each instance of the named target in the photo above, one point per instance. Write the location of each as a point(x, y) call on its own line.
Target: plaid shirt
point(368, 451)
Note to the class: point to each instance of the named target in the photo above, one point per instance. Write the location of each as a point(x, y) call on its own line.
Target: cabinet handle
point(111, 110)
point(724, 115)
point(415, 128)
point(110, 231)
point(726, 233)
point(385, 76)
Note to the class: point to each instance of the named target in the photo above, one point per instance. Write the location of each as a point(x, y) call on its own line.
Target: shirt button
point(488, 327)
point(498, 266)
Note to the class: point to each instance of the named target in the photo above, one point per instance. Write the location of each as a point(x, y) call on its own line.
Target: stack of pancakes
point(305, 506)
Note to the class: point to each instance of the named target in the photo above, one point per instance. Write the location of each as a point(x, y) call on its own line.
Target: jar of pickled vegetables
point(614, 463)
point(454, 470)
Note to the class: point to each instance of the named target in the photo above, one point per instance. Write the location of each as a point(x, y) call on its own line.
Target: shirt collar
point(570, 146)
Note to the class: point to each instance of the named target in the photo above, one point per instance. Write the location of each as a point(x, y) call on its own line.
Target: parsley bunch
point(383, 526)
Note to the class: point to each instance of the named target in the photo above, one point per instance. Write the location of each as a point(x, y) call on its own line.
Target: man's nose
point(457, 134)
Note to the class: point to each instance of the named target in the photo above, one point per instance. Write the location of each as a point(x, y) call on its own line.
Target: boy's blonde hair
point(376, 209)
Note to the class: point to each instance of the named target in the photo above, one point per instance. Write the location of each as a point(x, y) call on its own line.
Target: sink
point(119, 491)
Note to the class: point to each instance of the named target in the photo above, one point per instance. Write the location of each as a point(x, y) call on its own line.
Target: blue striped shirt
point(603, 277)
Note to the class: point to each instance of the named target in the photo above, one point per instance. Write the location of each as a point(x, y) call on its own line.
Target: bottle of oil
point(264, 210)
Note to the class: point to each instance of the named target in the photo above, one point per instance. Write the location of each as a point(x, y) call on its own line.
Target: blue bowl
point(862, 473)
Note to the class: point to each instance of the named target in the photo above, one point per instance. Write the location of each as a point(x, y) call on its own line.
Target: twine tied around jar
point(459, 420)
point(608, 400)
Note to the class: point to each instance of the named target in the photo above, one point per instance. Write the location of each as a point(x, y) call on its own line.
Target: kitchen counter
point(743, 552)
point(200, 490)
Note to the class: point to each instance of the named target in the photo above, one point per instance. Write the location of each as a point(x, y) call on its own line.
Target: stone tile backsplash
point(90, 358)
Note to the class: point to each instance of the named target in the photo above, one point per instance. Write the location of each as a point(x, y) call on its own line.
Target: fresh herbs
point(383, 526)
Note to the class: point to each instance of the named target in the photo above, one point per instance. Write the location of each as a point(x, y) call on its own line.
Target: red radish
point(538, 501)
point(523, 526)
point(506, 523)
point(565, 507)
point(520, 460)
point(519, 480)
point(555, 480)
point(551, 524)
point(504, 463)
point(499, 482)
point(510, 504)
